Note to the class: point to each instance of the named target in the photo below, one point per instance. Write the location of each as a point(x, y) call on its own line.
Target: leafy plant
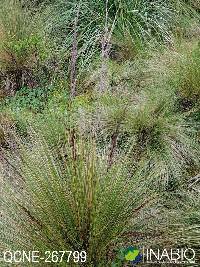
point(21, 45)
point(34, 100)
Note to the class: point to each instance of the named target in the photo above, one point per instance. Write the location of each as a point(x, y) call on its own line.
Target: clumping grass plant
point(76, 204)
point(148, 125)
point(188, 81)
point(133, 24)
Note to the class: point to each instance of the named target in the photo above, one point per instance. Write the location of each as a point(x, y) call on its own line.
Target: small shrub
point(21, 45)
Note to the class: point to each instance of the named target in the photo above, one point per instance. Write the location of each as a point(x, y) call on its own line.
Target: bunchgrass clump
point(147, 123)
point(188, 81)
point(73, 204)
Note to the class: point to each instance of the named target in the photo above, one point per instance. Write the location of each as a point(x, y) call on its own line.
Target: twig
point(114, 140)
point(113, 146)
point(74, 56)
point(105, 48)
point(73, 144)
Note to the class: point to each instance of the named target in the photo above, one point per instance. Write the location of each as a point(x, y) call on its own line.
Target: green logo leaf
point(131, 255)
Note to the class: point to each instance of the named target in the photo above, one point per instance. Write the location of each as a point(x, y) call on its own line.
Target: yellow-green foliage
point(189, 76)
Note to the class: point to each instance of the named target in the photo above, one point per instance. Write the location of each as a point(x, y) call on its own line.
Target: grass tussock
point(79, 205)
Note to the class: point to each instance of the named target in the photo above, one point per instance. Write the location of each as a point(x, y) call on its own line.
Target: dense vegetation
point(99, 126)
